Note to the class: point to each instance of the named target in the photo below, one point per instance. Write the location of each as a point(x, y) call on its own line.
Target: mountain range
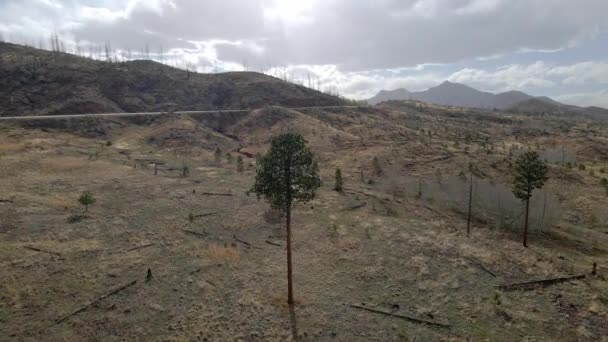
point(454, 94)
point(460, 95)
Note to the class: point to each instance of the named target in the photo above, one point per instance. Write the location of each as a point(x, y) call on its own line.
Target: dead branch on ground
point(203, 234)
point(93, 303)
point(41, 250)
point(215, 194)
point(538, 283)
point(140, 247)
point(272, 243)
point(482, 267)
point(407, 318)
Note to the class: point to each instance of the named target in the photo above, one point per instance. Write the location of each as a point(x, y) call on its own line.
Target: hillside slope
point(36, 81)
point(545, 106)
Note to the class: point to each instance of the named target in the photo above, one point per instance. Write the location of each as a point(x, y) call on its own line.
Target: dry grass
point(223, 254)
point(65, 202)
point(11, 147)
point(61, 164)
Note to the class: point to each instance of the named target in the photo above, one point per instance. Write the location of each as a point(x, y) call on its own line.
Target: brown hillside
point(34, 81)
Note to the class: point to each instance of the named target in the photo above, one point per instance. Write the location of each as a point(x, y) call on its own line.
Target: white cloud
point(509, 77)
point(584, 72)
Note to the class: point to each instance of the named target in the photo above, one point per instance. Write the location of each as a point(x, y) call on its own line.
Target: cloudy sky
point(557, 48)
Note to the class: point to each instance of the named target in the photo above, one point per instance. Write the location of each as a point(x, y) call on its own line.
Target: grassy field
point(222, 275)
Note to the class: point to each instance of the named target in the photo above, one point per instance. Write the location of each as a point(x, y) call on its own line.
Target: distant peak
point(448, 84)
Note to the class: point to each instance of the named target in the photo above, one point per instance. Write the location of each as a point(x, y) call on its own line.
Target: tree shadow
point(294, 323)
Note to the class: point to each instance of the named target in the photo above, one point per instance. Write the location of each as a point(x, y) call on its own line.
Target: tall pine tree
point(529, 174)
point(287, 173)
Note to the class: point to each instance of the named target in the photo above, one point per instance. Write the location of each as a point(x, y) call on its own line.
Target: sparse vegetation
point(376, 166)
point(338, 186)
point(240, 166)
point(86, 199)
point(223, 249)
point(217, 154)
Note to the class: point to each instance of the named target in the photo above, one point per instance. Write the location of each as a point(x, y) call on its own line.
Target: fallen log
point(241, 241)
point(140, 247)
point(407, 318)
point(93, 303)
point(215, 194)
point(538, 283)
point(482, 267)
point(244, 242)
point(205, 215)
point(428, 161)
point(432, 210)
point(355, 207)
point(196, 233)
point(353, 192)
point(272, 243)
point(6, 201)
point(41, 250)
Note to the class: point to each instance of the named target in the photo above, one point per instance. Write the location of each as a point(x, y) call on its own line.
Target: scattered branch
point(205, 215)
point(140, 247)
point(93, 303)
point(244, 242)
point(478, 264)
point(355, 207)
point(422, 162)
point(204, 234)
point(41, 250)
point(215, 194)
point(407, 318)
point(539, 283)
point(273, 243)
point(241, 241)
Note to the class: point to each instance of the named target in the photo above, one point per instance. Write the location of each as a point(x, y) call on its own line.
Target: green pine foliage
point(529, 174)
point(287, 172)
point(86, 199)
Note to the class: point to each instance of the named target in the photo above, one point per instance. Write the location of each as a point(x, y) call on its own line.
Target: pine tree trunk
point(288, 222)
point(542, 224)
point(526, 221)
point(470, 205)
point(289, 267)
